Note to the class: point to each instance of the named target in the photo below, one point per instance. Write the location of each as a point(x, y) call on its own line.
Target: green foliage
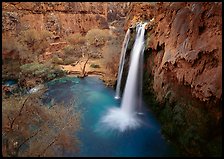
point(10, 68)
point(169, 130)
point(69, 61)
point(76, 39)
point(44, 71)
point(57, 60)
point(178, 118)
point(94, 66)
point(214, 147)
point(184, 122)
point(32, 67)
point(90, 45)
point(32, 43)
point(190, 138)
point(33, 37)
point(97, 37)
point(69, 50)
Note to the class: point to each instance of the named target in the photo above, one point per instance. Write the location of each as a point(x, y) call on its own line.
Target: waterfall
point(131, 94)
point(141, 62)
point(121, 64)
point(126, 117)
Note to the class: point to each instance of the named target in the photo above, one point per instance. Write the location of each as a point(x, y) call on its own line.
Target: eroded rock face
point(117, 11)
point(183, 69)
point(190, 36)
point(61, 18)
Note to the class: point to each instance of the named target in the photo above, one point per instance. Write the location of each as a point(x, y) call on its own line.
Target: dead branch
point(27, 139)
point(20, 112)
point(48, 146)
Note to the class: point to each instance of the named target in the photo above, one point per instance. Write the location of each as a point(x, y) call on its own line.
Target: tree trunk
point(84, 67)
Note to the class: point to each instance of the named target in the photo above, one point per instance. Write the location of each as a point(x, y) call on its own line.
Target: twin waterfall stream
point(126, 117)
point(111, 122)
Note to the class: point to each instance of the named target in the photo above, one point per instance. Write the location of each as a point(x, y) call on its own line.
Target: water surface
point(93, 99)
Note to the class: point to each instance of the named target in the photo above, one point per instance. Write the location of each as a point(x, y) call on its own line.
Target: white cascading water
point(125, 117)
point(121, 64)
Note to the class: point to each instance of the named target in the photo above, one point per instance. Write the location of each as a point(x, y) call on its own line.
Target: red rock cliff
point(189, 37)
point(183, 71)
point(61, 18)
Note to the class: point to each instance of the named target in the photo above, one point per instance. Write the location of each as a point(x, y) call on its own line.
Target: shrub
point(33, 43)
point(97, 37)
point(30, 128)
point(57, 60)
point(10, 68)
point(65, 61)
point(76, 39)
point(95, 66)
point(95, 52)
point(33, 37)
point(69, 61)
point(75, 51)
point(44, 71)
point(111, 54)
point(31, 67)
point(68, 50)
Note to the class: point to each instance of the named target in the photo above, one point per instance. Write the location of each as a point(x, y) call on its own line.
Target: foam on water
point(118, 119)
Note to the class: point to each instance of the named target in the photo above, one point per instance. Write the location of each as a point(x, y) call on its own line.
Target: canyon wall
point(183, 67)
point(61, 18)
point(189, 38)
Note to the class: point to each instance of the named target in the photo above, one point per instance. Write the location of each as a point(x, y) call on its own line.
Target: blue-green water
point(9, 82)
point(94, 99)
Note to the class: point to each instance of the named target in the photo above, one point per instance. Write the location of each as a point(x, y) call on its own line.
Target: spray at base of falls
point(126, 117)
point(36, 88)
